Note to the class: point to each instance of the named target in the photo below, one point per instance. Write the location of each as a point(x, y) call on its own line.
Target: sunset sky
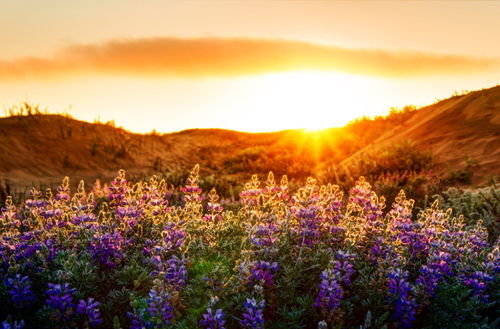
point(243, 65)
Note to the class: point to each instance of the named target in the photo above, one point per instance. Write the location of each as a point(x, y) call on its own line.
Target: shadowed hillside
point(41, 149)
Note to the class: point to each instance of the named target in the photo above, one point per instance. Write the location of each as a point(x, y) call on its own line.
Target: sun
point(310, 100)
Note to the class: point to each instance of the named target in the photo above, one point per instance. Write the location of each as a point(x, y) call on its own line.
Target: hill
point(41, 149)
point(459, 130)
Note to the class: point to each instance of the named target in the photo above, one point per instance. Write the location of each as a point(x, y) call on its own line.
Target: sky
point(242, 65)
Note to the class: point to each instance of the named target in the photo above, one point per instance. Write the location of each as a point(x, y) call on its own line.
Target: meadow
point(146, 254)
point(249, 164)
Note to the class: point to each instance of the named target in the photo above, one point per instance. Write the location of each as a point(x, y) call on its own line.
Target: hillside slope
point(457, 129)
point(41, 149)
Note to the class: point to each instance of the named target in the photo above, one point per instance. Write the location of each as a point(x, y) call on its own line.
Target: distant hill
point(41, 149)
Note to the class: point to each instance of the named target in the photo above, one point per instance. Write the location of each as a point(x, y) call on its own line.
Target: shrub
point(475, 204)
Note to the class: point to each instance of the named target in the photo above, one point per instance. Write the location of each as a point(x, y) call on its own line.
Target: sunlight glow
point(308, 99)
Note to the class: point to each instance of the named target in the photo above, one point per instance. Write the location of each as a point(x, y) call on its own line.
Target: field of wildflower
point(146, 255)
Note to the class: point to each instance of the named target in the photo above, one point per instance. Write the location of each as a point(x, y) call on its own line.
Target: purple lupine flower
point(273, 193)
point(189, 189)
point(310, 223)
point(63, 191)
point(434, 271)
point(35, 203)
point(192, 190)
point(478, 282)
point(19, 289)
point(84, 218)
point(175, 273)
point(107, 249)
point(250, 196)
point(346, 270)
point(9, 214)
point(400, 214)
point(330, 294)
point(378, 251)
point(25, 250)
point(155, 200)
point(334, 233)
point(132, 211)
point(173, 237)
point(492, 264)
point(365, 200)
point(214, 208)
point(265, 234)
point(51, 213)
point(406, 236)
point(61, 300)
point(251, 193)
point(90, 309)
point(418, 244)
point(211, 320)
point(477, 241)
point(253, 317)
point(158, 313)
point(136, 321)
point(262, 271)
point(334, 205)
point(405, 306)
point(15, 325)
point(52, 247)
point(159, 308)
point(147, 250)
point(118, 188)
point(343, 267)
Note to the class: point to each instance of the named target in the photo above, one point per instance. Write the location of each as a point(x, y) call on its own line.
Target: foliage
point(479, 204)
point(456, 307)
point(462, 176)
point(149, 255)
point(390, 169)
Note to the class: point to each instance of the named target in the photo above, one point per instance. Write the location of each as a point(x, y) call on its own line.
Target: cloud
point(220, 57)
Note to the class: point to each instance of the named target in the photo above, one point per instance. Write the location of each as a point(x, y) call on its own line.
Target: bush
point(475, 205)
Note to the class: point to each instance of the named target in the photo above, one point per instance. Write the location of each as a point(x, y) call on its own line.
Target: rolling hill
point(457, 129)
point(41, 149)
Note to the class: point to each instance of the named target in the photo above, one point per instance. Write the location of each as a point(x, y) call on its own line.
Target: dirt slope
point(41, 149)
point(455, 129)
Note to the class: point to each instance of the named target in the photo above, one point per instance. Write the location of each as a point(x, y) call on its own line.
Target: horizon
point(39, 110)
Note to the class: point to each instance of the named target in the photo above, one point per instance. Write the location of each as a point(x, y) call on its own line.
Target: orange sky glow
point(243, 65)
